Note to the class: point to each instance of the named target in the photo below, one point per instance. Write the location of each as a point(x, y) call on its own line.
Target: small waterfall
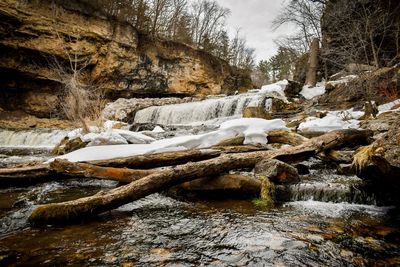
point(326, 192)
point(200, 111)
point(31, 138)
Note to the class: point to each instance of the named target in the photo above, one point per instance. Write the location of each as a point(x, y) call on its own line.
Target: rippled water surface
point(161, 231)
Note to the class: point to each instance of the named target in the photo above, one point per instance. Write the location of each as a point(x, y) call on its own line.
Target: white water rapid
point(209, 109)
point(31, 138)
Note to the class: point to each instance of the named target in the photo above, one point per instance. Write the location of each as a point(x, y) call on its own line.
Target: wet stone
point(277, 171)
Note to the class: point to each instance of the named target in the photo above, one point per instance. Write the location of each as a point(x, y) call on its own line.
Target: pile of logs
point(143, 175)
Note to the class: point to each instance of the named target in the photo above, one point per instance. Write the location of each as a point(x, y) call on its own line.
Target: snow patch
point(311, 92)
point(343, 80)
point(158, 129)
point(388, 106)
point(334, 120)
point(106, 135)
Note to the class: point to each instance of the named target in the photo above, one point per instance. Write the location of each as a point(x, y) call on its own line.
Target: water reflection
point(161, 231)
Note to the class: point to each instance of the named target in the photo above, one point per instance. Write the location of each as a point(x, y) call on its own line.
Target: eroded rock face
point(36, 38)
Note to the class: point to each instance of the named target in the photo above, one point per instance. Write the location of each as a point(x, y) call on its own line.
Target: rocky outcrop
point(381, 85)
point(380, 162)
point(37, 40)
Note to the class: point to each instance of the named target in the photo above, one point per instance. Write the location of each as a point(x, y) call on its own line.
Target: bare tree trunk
point(311, 79)
point(159, 181)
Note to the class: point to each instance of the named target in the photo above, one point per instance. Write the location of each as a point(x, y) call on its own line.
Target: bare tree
point(305, 15)
point(208, 20)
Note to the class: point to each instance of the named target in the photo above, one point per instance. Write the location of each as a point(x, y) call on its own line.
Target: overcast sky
point(254, 18)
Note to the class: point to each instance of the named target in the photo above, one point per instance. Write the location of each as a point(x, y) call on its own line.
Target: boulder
point(293, 89)
point(256, 112)
point(277, 171)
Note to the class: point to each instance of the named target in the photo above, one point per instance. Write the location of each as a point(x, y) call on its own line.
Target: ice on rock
point(254, 131)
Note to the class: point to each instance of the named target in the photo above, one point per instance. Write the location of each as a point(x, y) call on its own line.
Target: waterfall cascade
point(205, 110)
point(31, 138)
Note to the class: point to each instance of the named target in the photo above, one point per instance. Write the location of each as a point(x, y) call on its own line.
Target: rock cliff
point(36, 39)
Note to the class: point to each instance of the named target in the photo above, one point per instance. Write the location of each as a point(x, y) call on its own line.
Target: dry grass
point(81, 99)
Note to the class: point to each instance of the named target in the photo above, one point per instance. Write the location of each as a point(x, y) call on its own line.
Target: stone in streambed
point(277, 171)
point(346, 169)
point(68, 145)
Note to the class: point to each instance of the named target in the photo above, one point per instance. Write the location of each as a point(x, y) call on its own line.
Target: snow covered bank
point(254, 131)
point(334, 120)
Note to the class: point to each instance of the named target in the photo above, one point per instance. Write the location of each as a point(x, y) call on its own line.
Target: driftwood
point(164, 179)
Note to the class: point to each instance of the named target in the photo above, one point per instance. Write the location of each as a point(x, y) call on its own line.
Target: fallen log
point(43, 172)
point(159, 181)
point(85, 170)
point(286, 137)
point(24, 175)
point(171, 158)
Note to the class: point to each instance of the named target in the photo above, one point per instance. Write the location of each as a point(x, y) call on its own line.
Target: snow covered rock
point(311, 92)
point(334, 120)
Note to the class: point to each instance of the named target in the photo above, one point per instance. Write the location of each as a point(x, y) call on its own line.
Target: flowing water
point(207, 110)
point(22, 146)
point(325, 220)
point(161, 231)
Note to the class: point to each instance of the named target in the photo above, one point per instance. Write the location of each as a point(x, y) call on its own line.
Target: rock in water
point(68, 145)
point(277, 171)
